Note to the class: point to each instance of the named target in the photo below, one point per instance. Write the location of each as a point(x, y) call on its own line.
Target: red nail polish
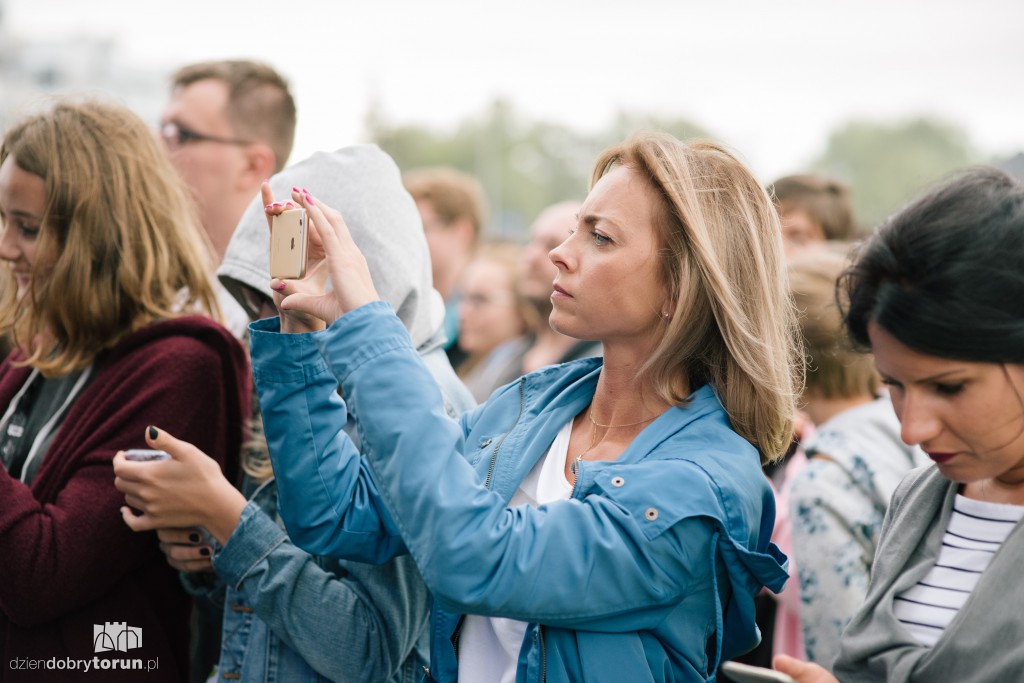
point(295, 189)
point(310, 200)
point(268, 207)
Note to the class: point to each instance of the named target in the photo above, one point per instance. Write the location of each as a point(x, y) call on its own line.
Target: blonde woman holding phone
point(598, 520)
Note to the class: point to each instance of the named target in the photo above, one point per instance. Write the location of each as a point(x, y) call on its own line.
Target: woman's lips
point(940, 458)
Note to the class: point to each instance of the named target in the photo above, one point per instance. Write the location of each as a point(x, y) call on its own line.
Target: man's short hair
point(260, 106)
point(451, 193)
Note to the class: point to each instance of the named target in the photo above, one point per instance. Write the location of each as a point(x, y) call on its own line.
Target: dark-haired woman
point(938, 296)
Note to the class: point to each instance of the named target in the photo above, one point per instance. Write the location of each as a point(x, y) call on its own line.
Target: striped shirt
point(975, 532)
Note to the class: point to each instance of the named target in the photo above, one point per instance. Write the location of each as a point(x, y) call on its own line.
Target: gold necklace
point(593, 439)
point(631, 424)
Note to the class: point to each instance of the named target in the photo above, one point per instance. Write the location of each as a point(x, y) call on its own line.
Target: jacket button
point(618, 481)
point(651, 514)
point(485, 444)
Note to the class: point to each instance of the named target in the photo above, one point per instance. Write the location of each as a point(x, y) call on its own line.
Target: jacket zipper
point(455, 636)
point(497, 446)
point(487, 484)
point(543, 656)
point(577, 467)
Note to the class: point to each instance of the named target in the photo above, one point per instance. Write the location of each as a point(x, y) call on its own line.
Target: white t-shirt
point(489, 646)
point(976, 531)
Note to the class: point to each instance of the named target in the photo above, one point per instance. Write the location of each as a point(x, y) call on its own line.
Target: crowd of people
point(694, 419)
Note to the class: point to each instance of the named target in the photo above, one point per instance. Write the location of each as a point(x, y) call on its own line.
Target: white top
point(489, 646)
point(975, 532)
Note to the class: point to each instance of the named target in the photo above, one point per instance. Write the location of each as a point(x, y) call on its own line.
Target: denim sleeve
point(357, 623)
point(475, 554)
point(327, 496)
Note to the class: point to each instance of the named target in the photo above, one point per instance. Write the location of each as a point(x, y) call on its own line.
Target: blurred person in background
point(109, 303)
point(814, 210)
point(537, 274)
point(452, 207)
point(855, 459)
point(937, 295)
point(494, 320)
point(228, 126)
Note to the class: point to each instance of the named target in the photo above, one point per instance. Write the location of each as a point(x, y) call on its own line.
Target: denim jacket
point(647, 573)
point(293, 617)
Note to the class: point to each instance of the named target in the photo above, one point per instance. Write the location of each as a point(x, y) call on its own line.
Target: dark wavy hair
point(945, 276)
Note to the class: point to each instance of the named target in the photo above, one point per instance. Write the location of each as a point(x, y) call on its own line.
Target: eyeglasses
point(177, 136)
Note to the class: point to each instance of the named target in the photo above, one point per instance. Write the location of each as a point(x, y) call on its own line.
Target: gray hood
point(364, 184)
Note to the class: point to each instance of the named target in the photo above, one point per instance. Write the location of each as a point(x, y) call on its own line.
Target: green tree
point(523, 164)
point(887, 164)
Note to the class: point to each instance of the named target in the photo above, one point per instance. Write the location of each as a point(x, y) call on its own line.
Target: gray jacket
point(982, 643)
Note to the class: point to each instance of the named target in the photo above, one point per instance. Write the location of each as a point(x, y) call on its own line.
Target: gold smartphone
point(289, 239)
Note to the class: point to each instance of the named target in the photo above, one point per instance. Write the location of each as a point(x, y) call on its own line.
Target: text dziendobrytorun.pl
point(84, 665)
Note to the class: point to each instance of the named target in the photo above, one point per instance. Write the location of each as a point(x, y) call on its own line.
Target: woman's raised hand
point(315, 280)
point(330, 244)
point(188, 490)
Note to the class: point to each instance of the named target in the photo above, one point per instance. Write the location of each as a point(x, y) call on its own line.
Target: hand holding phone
point(289, 241)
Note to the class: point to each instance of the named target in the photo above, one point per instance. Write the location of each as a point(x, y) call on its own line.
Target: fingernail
point(268, 207)
point(310, 200)
point(305, 191)
point(153, 433)
point(295, 189)
point(279, 287)
point(194, 538)
point(204, 551)
point(266, 180)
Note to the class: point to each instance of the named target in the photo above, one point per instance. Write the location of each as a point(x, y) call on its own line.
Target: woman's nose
point(918, 422)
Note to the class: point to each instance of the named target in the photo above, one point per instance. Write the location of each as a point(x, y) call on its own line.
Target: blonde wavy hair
point(122, 246)
point(733, 322)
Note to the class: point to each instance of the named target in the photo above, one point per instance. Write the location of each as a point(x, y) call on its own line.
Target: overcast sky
point(769, 78)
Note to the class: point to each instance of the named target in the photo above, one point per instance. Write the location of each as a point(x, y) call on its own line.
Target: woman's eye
point(949, 389)
point(891, 383)
point(28, 231)
point(601, 240)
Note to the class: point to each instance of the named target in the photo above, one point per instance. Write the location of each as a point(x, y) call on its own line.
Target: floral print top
point(837, 504)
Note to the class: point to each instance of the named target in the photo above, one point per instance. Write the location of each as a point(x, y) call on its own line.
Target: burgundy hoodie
point(68, 563)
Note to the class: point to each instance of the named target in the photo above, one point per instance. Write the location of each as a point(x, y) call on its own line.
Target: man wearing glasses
point(228, 125)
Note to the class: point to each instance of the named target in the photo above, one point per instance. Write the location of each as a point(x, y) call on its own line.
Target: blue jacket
point(647, 574)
